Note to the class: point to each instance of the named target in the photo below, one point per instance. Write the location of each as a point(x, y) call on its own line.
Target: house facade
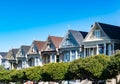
point(11, 57)
point(102, 39)
point(3, 60)
point(50, 49)
point(21, 57)
point(34, 54)
point(71, 47)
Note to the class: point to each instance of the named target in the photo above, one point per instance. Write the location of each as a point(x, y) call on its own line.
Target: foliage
point(54, 71)
point(33, 73)
point(98, 67)
point(113, 68)
point(2, 68)
point(17, 75)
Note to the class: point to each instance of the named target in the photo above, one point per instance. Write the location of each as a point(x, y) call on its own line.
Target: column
point(110, 50)
point(70, 56)
point(50, 58)
point(76, 55)
point(34, 61)
point(89, 52)
point(84, 52)
point(97, 51)
point(12, 66)
point(55, 58)
point(105, 48)
point(113, 44)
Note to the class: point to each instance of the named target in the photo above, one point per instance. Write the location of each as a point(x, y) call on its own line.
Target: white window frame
point(97, 33)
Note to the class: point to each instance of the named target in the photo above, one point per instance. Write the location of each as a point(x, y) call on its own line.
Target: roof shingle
point(111, 30)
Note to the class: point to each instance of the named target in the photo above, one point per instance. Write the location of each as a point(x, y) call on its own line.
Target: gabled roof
point(112, 31)
point(11, 55)
point(55, 40)
point(3, 54)
point(78, 35)
point(25, 48)
point(39, 44)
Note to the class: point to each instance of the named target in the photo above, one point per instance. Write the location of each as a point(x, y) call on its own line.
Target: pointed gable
point(73, 38)
point(3, 54)
point(23, 50)
point(36, 47)
point(96, 34)
point(112, 31)
point(52, 42)
point(11, 55)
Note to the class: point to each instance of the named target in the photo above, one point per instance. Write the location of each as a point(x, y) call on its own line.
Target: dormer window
point(35, 50)
point(97, 33)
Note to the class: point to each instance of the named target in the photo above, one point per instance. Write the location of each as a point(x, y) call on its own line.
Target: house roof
point(25, 48)
point(55, 40)
point(12, 54)
point(39, 44)
point(111, 30)
point(78, 35)
point(3, 54)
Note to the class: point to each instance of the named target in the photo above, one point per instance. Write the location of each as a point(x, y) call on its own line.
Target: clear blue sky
point(22, 21)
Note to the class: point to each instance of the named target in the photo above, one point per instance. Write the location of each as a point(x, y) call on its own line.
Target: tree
point(54, 71)
point(2, 68)
point(113, 68)
point(33, 73)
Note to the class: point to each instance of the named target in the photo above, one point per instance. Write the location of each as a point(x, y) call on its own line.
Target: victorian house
point(11, 57)
point(3, 60)
point(102, 39)
point(50, 49)
point(71, 47)
point(34, 54)
point(22, 60)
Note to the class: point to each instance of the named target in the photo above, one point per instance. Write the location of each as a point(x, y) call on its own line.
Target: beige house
point(11, 57)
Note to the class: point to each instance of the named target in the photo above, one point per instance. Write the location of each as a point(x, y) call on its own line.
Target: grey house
point(71, 46)
point(21, 57)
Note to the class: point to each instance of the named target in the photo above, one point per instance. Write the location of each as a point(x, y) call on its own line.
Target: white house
point(102, 39)
point(34, 53)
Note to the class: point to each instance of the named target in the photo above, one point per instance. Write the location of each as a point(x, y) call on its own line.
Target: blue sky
point(22, 21)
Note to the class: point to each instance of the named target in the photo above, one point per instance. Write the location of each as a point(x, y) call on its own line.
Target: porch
point(105, 48)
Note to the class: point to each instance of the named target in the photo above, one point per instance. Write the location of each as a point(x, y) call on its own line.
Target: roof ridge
point(107, 24)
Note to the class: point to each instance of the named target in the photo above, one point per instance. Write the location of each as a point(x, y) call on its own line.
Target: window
point(67, 56)
point(36, 60)
point(79, 53)
point(97, 33)
point(35, 50)
point(57, 58)
point(23, 63)
point(73, 54)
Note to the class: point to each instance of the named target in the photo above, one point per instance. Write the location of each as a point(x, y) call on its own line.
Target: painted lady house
point(3, 60)
point(50, 49)
point(22, 60)
point(102, 39)
point(34, 54)
point(71, 46)
point(11, 57)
